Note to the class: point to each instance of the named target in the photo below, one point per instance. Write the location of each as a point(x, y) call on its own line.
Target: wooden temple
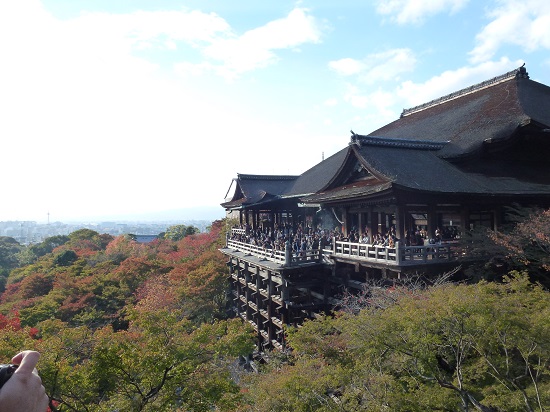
point(445, 167)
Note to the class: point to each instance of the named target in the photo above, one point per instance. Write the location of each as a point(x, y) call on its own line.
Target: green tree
point(161, 363)
point(33, 252)
point(9, 250)
point(65, 258)
point(482, 347)
point(178, 232)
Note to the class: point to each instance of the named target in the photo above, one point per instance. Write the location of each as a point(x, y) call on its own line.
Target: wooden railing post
point(288, 254)
point(398, 252)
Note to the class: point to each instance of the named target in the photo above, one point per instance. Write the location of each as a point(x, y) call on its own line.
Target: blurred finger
point(27, 361)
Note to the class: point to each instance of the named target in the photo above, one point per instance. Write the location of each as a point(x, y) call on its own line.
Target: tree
point(9, 249)
point(65, 258)
point(528, 242)
point(178, 232)
point(48, 245)
point(161, 363)
point(523, 244)
point(482, 347)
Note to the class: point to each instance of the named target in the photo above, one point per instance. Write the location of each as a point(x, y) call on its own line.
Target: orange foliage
point(192, 246)
point(156, 294)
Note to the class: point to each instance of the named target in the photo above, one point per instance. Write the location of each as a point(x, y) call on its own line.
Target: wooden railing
point(282, 257)
point(398, 255)
point(394, 256)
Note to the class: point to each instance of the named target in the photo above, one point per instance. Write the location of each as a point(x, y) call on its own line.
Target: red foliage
point(201, 283)
point(74, 304)
point(124, 247)
point(156, 294)
point(36, 284)
point(12, 323)
point(192, 246)
point(10, 294)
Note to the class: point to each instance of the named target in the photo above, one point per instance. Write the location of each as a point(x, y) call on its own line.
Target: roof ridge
point(266, 177)
point(520, 72)
point(361, 140)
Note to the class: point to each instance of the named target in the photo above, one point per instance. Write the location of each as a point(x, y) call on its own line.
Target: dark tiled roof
point(319, 176)
point(257, 189)
point(413, 152)
point(417, 166)
point(424, 170)
point(469, 117)
point(347, 192)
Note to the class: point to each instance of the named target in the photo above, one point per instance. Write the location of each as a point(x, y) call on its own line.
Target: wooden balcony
point(398, 256)
point(280, 257)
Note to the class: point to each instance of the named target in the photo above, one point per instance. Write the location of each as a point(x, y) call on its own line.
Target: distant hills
point(208, 213)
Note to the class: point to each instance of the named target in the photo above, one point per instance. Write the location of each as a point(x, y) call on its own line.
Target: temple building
point(442, 169)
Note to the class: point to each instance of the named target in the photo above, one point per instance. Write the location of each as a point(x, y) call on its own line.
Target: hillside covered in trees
point(145, 327)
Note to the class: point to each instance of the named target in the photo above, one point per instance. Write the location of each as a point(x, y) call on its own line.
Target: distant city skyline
point(31, 232)
point(197, 213)
point(133, 108)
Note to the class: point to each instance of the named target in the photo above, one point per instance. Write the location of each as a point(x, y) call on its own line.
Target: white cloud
point(416, 11)
point(256, 48)
point(346, 66)
point(381, 70)
point(92, 124)
point(413, 94)
point(525, 24)
point(384, 104)
point(379, 101)
point(383, 66)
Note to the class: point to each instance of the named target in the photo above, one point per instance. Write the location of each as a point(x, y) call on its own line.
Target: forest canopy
point(131, 326)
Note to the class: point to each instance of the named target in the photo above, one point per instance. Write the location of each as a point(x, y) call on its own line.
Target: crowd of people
point(302, 238)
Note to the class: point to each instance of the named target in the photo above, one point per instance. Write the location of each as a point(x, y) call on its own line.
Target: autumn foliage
point(123, 325)
point(143, 327)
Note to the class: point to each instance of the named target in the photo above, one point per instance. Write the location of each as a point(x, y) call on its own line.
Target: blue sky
point(115, 108)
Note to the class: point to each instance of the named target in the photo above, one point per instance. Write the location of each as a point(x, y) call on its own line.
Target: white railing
point(365, 250)
point(398, 255)
point(283, 257)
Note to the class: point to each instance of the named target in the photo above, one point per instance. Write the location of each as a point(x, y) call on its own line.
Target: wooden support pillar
point(345, 225)
point(399, 223)
point(381, 223)
point(372, 223)
point(464, 220)
point(432, 221)
point(254, 222)
point(497, 217)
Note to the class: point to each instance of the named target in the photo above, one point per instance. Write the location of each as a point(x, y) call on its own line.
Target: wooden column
point(432, 221)
point(373, 223)
point(382, 223)
point(345, 218)
point(399, 223)
point(496, 218)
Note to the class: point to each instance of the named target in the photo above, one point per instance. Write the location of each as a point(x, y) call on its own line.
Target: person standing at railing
point(323, 242)
point(315, 243)
point(438, 235)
